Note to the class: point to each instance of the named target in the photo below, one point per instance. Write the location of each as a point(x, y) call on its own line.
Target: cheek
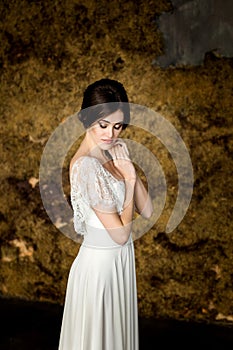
point(118, 132)
point(96, 132)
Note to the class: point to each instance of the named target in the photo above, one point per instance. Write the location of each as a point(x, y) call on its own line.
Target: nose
point(110, 131)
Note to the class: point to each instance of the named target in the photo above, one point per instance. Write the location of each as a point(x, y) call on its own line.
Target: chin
point(106, 146)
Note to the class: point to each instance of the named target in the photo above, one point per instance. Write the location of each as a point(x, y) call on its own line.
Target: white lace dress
point(100, 311)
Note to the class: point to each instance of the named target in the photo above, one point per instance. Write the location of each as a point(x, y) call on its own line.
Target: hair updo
point(101, 99)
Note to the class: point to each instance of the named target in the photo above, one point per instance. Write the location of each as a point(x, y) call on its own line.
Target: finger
point(120, 152)
point(116, 153)
point(122, 145)
point(123, 152)
point(125, 148)
point(112, 152)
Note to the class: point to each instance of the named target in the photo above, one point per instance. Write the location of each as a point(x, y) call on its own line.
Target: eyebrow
point(106, 121)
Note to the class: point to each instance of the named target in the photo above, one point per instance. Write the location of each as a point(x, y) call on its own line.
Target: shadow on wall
point(194, 28)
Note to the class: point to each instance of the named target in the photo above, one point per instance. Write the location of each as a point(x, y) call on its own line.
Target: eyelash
point(115, 127)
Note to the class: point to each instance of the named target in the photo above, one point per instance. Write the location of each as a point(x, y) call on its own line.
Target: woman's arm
point(142, 200)
point(119, 225)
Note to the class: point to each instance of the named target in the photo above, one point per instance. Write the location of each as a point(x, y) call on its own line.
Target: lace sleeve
point(90, 188)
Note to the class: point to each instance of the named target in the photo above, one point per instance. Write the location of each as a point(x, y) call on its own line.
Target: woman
point(100, 311)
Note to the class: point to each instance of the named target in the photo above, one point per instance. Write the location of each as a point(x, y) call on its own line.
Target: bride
point(100, 310)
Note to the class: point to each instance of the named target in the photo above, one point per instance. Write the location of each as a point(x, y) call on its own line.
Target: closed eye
point(103, 126)
point(118, 126)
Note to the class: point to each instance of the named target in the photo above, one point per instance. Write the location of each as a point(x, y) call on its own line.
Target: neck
point(92, 149)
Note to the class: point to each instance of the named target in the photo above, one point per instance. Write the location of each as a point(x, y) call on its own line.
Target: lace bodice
point(93, 187)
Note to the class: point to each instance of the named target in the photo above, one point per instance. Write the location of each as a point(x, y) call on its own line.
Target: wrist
point(130, 179)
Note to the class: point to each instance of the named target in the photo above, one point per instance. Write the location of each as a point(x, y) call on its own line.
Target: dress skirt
point(100, 310)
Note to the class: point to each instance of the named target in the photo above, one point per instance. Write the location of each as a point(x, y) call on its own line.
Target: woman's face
point(106, 131)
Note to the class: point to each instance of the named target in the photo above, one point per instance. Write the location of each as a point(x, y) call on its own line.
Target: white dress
point(100, 311)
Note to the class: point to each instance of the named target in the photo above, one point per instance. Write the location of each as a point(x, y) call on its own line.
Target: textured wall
point(195, 27)
point(50, 52)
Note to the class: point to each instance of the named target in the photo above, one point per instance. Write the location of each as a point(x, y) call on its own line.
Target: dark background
point(173, 57)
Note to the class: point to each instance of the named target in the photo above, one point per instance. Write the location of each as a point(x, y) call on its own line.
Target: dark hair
point(102, 98)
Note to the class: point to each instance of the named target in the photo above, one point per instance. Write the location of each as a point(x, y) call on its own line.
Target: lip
point(108, 141)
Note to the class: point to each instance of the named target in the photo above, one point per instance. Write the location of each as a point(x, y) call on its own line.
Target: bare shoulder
point(78, 155)
point(83, 160)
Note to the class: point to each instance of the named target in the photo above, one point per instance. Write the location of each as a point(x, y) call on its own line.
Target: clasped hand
point(121, 160)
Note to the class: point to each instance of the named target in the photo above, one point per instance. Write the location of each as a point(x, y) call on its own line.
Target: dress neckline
point(106, 170)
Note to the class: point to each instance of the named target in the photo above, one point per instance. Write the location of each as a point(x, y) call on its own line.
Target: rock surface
point(195, 27)
point(49, 53)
